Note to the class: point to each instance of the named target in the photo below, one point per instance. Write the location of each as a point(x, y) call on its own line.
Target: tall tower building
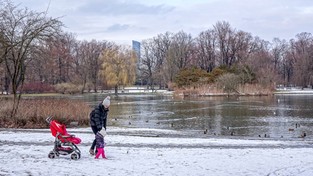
point(136, 49)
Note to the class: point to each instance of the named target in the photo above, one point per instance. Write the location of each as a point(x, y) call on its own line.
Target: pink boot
point(100, 152)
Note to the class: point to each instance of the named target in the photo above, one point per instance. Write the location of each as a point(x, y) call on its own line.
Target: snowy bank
point(24, 152)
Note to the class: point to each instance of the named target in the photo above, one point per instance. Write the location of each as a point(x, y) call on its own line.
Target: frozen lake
point(279, 116)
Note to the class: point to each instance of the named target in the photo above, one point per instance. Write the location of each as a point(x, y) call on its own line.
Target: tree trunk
point(16, 102)
point(116, 90)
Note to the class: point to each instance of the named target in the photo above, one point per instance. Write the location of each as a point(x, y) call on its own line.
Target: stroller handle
point(48, 119)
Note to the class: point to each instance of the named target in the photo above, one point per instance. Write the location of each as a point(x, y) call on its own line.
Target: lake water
point(278, 116)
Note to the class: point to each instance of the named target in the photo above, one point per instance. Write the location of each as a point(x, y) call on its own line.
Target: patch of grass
point(33, 112)
point(42, 95)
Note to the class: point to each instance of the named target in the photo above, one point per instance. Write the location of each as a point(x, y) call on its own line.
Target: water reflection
point(281, 116)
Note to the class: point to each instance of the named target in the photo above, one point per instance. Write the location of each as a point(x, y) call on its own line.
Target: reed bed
point(32, 112)
point(213, 90)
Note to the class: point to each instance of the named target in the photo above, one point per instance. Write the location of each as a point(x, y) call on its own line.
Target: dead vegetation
point(214, 90)
point(32, 112)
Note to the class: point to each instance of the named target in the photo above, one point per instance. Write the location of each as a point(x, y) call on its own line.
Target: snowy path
point(25, 153)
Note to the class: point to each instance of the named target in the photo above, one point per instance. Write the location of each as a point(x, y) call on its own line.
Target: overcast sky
point(125, 20)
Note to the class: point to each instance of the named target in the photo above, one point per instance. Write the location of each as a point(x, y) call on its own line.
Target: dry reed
point(33, 112)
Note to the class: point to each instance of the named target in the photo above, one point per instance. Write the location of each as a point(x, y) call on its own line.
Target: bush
point(229, 82)
point(217, 72)
point(68, 88)
point(245, 73)
point(37, 87)
point(192, 77)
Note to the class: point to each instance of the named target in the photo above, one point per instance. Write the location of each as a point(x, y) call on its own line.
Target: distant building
point(136, 48)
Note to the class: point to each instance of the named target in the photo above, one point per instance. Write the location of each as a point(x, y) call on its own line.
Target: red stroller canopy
point(56, 127)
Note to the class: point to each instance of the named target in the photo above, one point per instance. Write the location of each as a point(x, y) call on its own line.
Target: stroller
point(64, 143)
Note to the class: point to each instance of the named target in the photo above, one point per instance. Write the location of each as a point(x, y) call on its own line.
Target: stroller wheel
point(75, 156)
point(52, 155)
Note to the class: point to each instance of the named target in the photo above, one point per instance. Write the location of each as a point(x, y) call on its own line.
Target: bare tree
point(287, 67)
point(95, 48)
point(180, 50)
point(240, 50)
point(224, 33)
point(233, 46)
point(81, 57)
point(206, 55)
point(162, 44)
point(260, 61)
point(179, 54)
point(149, 67)
point(302, 55)
point(21, 30)
point(53, 59)
point(279, 52)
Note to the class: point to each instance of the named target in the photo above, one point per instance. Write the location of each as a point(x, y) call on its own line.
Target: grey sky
point(125, 20)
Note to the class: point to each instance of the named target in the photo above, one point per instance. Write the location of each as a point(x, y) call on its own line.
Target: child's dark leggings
point(95, 131)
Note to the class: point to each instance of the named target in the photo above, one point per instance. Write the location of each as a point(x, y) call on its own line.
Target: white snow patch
point(26, 153)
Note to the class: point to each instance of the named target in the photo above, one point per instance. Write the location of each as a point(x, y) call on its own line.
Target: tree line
point(259, 61)
point(36, 54)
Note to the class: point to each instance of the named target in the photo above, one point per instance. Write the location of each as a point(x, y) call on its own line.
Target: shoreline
point(160, 133)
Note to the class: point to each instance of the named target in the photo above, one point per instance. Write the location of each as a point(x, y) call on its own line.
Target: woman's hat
point(106, 102)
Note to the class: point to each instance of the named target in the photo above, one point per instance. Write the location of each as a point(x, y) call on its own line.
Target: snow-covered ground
point(25, 152)
point(293, 90)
